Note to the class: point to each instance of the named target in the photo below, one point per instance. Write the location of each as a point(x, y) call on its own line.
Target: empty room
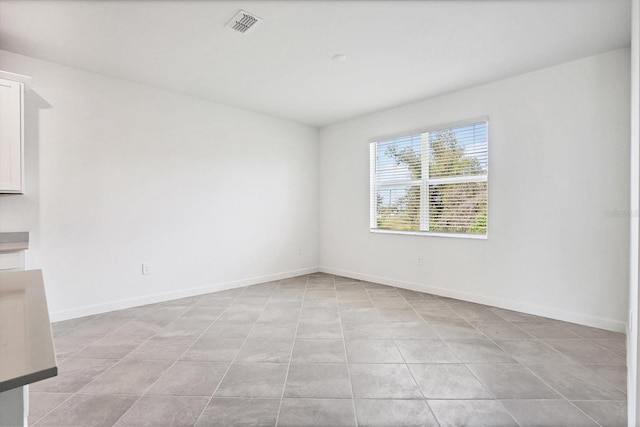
point(319, 213)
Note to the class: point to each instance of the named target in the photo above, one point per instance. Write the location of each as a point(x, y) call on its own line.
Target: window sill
point(431, 234)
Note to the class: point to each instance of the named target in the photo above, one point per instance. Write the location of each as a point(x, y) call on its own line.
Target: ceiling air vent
point(243, 22)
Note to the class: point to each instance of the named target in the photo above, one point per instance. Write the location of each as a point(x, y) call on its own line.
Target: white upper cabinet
point(11, 136)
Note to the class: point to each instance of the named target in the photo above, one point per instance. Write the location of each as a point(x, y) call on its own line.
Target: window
point(432, 182)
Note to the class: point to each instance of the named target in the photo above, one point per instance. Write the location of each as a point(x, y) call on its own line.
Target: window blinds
point(432, 182)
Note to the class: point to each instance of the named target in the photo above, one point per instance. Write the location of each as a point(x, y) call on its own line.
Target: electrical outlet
point(146, 269)
point(419, 261)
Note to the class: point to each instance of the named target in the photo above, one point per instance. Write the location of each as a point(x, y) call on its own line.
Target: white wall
point(634, 330)
point(559, 166)
point(119, 174)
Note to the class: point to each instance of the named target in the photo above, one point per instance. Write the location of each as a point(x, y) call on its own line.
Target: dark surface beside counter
point(15, 236)
point(14, 241)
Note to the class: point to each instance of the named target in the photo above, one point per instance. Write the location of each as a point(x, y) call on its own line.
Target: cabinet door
point(11, 135)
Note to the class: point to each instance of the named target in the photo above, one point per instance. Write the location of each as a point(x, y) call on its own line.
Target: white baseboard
point(567, 316)
point(552, 313)
point(88, 310)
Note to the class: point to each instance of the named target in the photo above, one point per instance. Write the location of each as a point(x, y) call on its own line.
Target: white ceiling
point(397, 51)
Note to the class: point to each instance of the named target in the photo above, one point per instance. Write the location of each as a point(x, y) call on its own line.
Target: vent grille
point(243, 22)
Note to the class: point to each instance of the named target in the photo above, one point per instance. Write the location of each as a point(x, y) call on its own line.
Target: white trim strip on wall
point(88, 310)
point(567, 316)
point(580, 318)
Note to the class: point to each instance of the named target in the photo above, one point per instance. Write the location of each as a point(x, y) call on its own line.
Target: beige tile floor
point(322, 350)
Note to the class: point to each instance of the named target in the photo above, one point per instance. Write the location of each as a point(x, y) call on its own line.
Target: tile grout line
point(525, 367)
point(72, 355)
point(447, 302)
point(346, 356)
point(426, 401)
point(509, 354)
point(175, 361)
point(116, 363)
point(286, 377)
point(84, 348)
point(156, 307)
point(535, 338)
point(95, 317)
point(52, 409)
point(90, 358)
point(234, 357)
point(519, 363)
point(116, 330)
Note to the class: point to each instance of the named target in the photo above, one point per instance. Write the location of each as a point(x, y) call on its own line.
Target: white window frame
point(424, 182)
